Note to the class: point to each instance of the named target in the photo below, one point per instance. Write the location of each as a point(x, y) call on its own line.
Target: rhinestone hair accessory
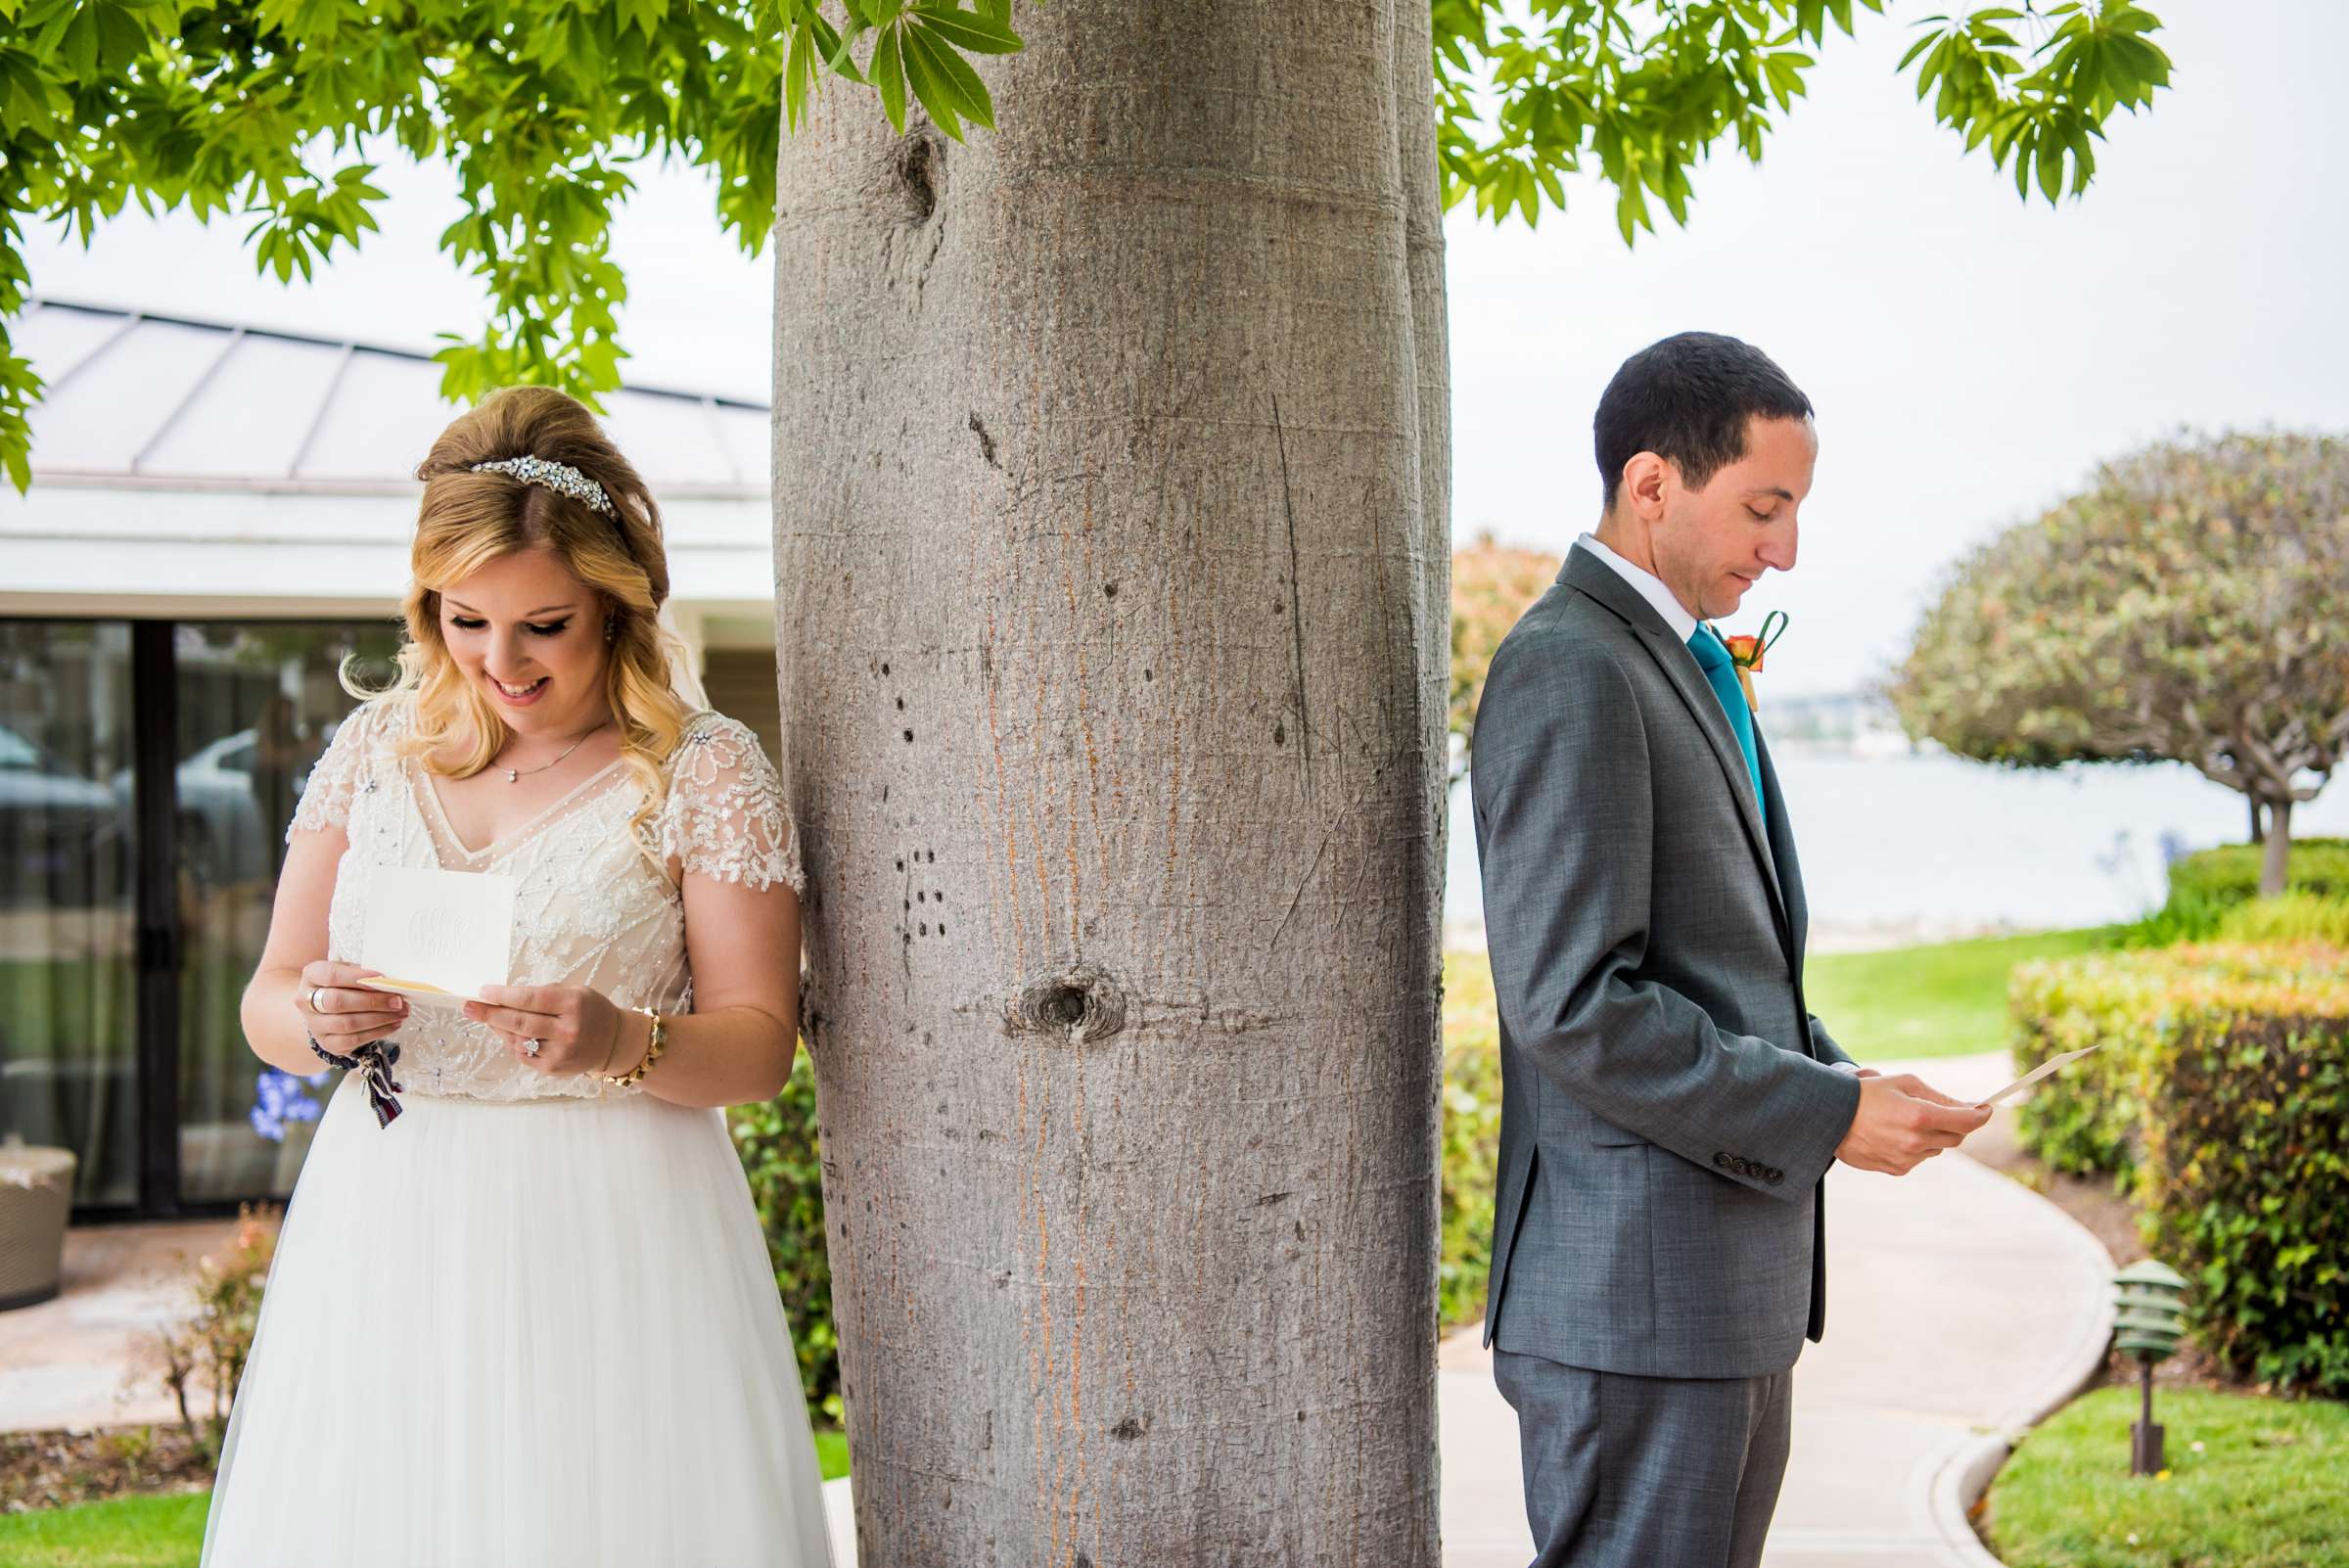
point(560, 478)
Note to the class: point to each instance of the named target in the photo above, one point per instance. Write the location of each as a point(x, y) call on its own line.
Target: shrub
point(2189, 916)
point(2089, 1118)
point(2221, 1097)
point(2245, 1177)
point(2296, 917)
point(203, 1359)
point(2230, 875)
point(1471, 1137)
point(776, 1140)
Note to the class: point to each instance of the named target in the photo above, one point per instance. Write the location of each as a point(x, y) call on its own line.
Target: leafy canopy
point(258, 111)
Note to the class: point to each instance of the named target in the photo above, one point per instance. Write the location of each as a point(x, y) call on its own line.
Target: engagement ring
point(530, 1047)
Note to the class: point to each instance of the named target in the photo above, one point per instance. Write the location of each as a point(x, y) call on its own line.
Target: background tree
point(1112, 547)
point(1492, 586)
point(2187, 606)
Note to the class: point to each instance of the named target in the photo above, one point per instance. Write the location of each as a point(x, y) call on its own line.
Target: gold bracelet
point(652, 1051)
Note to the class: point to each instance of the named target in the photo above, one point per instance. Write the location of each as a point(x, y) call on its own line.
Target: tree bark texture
point(1111, 617)
point(2275, 853)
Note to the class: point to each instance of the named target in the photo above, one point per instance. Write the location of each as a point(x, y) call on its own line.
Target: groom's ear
point(1648, 478)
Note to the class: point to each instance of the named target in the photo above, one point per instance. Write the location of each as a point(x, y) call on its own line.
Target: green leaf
point(951, 76)
point(888, 73)
point(931, 85)
point(2051, 168)
point(835, 60)
point(971, 32)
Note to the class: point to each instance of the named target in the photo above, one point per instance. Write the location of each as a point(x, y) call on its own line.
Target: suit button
point(1776, 1175)
point(1722, 1160)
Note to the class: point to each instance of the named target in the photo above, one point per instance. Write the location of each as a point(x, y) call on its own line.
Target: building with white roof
point(268, 473)
point(221, 516)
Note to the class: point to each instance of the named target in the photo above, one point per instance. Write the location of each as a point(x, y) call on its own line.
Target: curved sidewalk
point(1961, 1309)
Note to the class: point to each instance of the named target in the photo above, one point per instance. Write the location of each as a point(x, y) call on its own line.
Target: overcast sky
point(1970, 357)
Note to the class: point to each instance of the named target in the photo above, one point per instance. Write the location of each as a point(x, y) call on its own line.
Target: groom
point(1669, 1106)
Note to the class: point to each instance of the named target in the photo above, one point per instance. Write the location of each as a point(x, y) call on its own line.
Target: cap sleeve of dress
point(325, 801)
point(724, 817)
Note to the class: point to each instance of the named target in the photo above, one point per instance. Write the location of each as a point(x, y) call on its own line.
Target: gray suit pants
point(1647, 1472)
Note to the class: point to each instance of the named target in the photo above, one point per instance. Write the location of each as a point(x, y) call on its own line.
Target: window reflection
point(68, 914)
point(257, 705)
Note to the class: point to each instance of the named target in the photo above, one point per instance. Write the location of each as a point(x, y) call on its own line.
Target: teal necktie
point(1721, 673)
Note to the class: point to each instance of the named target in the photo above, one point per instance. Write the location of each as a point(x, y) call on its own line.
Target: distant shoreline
point(1825, 936)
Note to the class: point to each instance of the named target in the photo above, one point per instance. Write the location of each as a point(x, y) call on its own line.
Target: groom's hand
point(1902, 1123)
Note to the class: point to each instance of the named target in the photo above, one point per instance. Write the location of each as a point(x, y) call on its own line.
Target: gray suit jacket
point(1669, 1109)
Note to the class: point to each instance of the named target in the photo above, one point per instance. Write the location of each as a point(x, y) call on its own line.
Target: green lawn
point(167, 1532)
point(2265, 1492)
point(1946, 1000)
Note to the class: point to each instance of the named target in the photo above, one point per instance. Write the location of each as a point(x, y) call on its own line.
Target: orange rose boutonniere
point(1746, 653)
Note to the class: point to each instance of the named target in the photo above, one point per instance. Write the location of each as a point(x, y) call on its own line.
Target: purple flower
point(277, 1098)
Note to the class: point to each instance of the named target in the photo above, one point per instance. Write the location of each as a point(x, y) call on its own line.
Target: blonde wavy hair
point(468, 520)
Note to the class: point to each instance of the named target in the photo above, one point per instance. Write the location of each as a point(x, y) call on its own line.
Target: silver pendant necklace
point(514, 774)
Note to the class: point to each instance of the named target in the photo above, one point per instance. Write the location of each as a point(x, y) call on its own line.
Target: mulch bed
point(57, 1468)
point(2112, 1220)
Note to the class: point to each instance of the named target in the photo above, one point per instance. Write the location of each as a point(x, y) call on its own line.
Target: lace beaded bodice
point(589, 907)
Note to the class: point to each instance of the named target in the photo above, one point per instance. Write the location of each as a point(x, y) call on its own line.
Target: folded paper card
point(2040, 1072)
point(437, 936)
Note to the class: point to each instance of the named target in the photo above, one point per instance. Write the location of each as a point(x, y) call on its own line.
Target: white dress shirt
point(1648, 585)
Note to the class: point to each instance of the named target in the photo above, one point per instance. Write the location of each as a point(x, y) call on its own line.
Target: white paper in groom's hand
point(2040, 1072)
point(437, 936)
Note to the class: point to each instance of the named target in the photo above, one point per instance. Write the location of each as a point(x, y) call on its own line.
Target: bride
point(522, 1312)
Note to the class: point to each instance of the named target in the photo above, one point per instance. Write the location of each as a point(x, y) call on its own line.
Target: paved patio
point(65, 1363)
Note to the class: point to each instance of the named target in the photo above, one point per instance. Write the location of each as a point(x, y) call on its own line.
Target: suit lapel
point(1600, 580)
point(1781, 849)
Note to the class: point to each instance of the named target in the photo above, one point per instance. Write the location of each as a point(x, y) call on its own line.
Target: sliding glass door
point(148, 770)
point(68, 918)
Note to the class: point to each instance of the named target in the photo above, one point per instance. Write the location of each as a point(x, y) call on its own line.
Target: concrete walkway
point(1961, 1309)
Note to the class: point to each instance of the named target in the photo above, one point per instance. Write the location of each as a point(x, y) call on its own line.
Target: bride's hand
point(341, 1014)
point(576, 1027)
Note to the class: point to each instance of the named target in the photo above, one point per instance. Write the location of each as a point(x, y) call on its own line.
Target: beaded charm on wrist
point(652, 1052)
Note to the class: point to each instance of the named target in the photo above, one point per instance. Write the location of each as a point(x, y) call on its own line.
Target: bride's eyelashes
point(555, 629)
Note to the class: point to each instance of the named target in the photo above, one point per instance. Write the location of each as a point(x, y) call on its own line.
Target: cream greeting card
point(437, 936)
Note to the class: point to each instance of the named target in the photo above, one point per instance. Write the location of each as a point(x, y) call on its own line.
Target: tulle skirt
point(539, 1335)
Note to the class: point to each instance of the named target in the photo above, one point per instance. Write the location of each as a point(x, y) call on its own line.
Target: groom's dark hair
point(1687, 399)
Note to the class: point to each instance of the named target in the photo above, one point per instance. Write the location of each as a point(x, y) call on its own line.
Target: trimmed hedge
point(776, 1140)
point(2222, 1098)
point(1471, 1137)
point(2294, 917)
point(2230, 874)
point(2084, 1120)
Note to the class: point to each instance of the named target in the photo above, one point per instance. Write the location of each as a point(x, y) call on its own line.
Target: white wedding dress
point(531, 1322)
